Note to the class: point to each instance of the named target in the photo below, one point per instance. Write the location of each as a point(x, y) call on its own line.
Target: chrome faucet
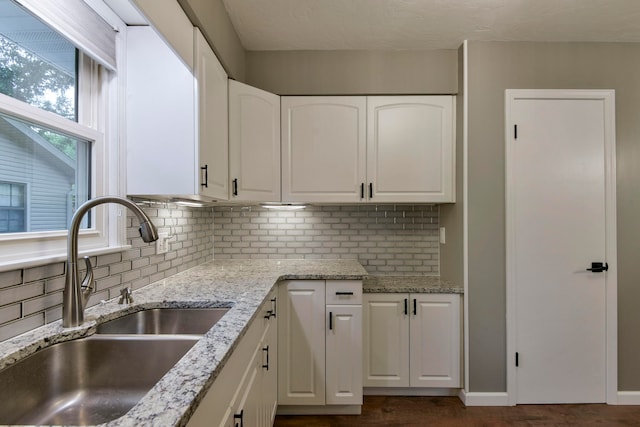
point(76, 294)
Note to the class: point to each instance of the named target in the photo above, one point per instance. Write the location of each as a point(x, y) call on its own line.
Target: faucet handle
point(125, 296)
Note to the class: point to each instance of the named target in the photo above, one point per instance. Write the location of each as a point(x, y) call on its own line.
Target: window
point(12, 207)
point(58, 127)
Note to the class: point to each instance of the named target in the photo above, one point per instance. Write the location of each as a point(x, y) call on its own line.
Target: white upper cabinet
point(213, 119)
point(254, 144)
point(323, 148)
point(176, 119)
point(410, 154)
point(376, 149)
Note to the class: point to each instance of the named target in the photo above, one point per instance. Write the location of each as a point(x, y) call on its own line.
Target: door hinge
point(515, 131)
point(517, 361)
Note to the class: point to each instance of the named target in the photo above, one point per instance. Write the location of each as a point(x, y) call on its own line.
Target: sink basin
point(87, 381)
point(164, 321)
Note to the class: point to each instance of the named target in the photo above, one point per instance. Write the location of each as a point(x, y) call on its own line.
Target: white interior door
point(556, 198)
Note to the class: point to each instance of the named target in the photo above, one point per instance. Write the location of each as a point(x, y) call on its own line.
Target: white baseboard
point(319, 409)
point(628, 398)
point(409, 391)
point(484, 399)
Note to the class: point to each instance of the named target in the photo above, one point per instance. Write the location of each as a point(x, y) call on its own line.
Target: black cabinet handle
point(205, 168)
point(235, 187)
point(267, 350)
point(406, 306)
point(371, 190)
point(273, 306)
point(598, 267)
point(362, 190)
point(330, 320)
point(240, 417)
point(268, 314)
point(344, 293)
point(415, 306)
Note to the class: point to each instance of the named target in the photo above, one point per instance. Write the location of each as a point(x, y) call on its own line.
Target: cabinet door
point(344, 355)
point(254, 144)
point(410, 142)
point(213, 126)
point(247, 409)
point(323, 148)
point(270, 366)
point(435, 341)
point(386, 340)
point(301, 343)
point(160, 118)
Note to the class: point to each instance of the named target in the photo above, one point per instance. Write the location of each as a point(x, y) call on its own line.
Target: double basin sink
point(97, 379)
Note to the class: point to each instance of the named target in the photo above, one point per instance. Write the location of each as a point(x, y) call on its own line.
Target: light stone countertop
point(413, 284)
point(242, 285)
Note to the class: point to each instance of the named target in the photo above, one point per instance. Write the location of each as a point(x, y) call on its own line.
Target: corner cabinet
point(245, 391)
point(378, 149)
point(320, 347)
point(176, 119)
point(412, 340)
point(213, 119)
point(254, 144)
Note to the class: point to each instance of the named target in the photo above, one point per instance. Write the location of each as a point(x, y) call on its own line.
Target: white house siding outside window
point(56, 102)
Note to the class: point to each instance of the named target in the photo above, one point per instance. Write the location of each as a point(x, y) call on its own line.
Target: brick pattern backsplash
point(385, 239)
point(31, 297)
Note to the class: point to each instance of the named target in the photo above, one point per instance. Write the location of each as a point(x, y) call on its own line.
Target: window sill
point(50, 259)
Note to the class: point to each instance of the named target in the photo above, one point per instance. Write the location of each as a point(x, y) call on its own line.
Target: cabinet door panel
point(254, 143)
point(323, 148)
point(435, 341)
point(344, 355)
point(301, 343)
point(386, 340)
point(212, 90)
point(410, 148)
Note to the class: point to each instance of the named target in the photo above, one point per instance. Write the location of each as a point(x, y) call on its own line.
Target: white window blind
point(80, 24)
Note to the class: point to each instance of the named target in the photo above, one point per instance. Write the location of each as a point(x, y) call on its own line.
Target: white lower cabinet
point(412, 340)
point(320, 345)
point(245, 392)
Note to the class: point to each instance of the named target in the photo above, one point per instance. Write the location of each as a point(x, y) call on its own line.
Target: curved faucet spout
point(76, 293)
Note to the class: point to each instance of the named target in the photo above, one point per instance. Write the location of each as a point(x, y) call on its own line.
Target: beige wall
point(494, 67)
point(353, 72)
point(212, 19)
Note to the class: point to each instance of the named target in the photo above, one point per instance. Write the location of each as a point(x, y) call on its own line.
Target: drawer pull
point(268, 314)
point(266, 349)
point(240, 417)
point(344, 293)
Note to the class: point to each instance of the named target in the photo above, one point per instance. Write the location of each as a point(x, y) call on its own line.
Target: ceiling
point(427, 24)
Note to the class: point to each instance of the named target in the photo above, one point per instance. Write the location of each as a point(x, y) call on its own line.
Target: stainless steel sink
point(164, 321)
point(87, 381)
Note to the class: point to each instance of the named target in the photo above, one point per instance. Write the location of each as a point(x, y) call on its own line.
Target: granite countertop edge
point(242, 286)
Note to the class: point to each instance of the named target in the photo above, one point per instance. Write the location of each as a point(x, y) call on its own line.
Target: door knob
point(598, 267)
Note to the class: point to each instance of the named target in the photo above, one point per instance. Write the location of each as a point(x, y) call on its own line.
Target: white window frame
point(99, 122)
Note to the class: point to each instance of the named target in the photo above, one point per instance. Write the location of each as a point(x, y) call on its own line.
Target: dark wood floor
point(393, 411)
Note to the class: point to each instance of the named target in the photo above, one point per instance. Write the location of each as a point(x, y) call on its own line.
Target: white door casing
point(560, 200)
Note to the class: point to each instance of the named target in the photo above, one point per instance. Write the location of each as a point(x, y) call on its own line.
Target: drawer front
point(343, 292)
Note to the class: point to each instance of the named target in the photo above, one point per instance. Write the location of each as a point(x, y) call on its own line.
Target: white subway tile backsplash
point(407, 235)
